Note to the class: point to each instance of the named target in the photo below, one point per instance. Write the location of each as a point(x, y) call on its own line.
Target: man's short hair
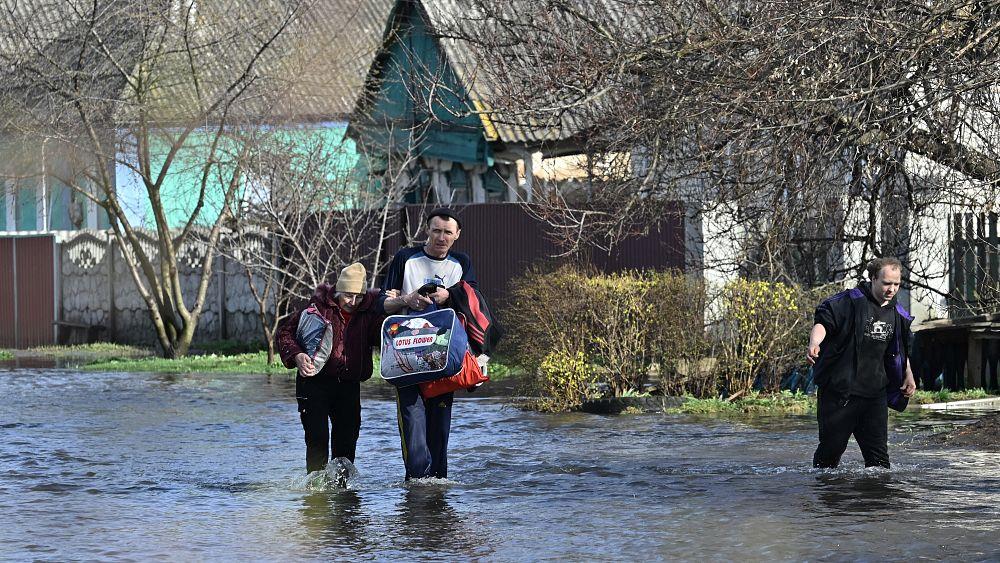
point(444, 213)
point(876, 265)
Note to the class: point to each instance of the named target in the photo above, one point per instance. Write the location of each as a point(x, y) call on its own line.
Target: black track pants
point(866, 419)
point(324, 403)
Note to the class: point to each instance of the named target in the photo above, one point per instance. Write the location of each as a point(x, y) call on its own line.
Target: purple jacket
point(351, 356)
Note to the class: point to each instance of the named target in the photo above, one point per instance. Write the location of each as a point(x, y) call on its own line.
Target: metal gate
point(27, 291)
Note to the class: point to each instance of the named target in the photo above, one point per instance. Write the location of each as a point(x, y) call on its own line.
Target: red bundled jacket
point(351, 356)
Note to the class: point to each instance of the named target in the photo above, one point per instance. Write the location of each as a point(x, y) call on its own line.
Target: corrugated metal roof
point(52, 16)
point(342, 37)
point(455, 21)
point(319, 62)
point(46, 52)
point(316, 64)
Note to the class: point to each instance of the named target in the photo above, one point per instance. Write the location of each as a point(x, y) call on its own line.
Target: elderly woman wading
point(330, 342)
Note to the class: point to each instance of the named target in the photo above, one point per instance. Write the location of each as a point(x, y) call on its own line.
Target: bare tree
point(155, 88)
point(307, 213)
point(819, 133)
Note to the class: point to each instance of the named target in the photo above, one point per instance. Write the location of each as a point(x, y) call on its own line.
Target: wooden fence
point(75, 280)
point(504, 240)
point(975, 263)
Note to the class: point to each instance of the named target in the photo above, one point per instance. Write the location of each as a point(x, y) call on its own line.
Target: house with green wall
point(334, 40)
point(34, 195)
point(180, 185)
point(424, 98)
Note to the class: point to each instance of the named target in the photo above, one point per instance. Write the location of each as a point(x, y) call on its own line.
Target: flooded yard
point(117, 466)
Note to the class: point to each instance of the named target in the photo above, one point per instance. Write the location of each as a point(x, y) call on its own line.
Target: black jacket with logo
point(843, 317)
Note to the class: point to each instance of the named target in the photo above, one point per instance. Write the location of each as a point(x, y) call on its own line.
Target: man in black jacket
point(859, 346)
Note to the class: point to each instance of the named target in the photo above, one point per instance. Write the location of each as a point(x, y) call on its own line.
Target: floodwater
point(115, 466)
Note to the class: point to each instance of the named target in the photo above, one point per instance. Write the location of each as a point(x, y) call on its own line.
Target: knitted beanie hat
point(352, 279)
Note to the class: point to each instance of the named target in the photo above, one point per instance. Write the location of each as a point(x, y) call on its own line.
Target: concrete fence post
point(112, 315)
point(223, 330)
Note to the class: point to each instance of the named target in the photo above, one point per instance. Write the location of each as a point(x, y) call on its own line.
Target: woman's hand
point(440, 296)
point(305, 365)
point(416, 302)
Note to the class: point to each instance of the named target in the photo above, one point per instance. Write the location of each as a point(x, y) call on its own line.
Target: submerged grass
point(249, 363)
point(782, 403)
point(106, 350)
point(798, 403)
point(227, 347)
point(237, 363)
point(945, 396)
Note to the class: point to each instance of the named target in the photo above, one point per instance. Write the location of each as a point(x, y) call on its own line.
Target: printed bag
point(422, 347)
point(315, 336)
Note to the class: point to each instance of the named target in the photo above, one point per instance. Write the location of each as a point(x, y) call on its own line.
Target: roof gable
point(450, 24)
point(414, 100)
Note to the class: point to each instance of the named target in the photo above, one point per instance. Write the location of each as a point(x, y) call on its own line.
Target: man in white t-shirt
point(424, 425)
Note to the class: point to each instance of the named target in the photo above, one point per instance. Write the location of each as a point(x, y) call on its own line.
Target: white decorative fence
point(97, 289)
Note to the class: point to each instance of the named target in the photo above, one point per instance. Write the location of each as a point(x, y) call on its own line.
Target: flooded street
point(211, 467)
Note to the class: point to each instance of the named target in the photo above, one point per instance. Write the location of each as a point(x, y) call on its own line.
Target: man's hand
point(812, 354)
point(440, 296)
point(392, 293)
point(909, 385)
point(816, 337)
point(305, 365)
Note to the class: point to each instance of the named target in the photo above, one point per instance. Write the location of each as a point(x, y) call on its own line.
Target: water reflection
point(33, 362)
point(429, 522)
point(335, 518)
point(853, 493)
point(209, 468)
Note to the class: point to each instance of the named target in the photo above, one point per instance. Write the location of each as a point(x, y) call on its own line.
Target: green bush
point(622, 327)
point(500, 368)
point(565, 381)
point(631, 327)
point(546, 312)
point(764, 333)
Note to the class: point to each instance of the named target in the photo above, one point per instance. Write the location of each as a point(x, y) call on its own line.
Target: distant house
point(326, 52)
point(33, 172)
point(427, 95)
point(34, 194)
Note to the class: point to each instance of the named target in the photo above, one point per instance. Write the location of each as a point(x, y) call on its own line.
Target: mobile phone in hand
point(428, 288)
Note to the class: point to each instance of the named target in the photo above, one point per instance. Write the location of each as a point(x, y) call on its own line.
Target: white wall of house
point(50, 210)
point(931, 254)
point(714, 245)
